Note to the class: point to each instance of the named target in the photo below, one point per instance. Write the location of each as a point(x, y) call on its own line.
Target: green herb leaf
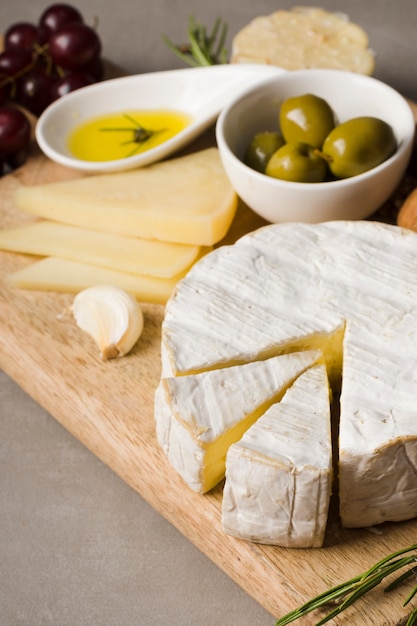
point(349, 592)
point(201, 48)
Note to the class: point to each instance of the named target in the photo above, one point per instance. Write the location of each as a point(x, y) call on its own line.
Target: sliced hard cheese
point(279, 475)
point(185, 200)
point(199, 416)
point(305, 37)
point(65, 276)
point(116, 252)
point(288, 286)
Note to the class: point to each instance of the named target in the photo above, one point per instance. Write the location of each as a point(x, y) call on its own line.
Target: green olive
point(358, 145)
point(261, 148)
point(306, 118)
point(297, 162)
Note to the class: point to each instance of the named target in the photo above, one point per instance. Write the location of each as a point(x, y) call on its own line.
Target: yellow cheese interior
point(213, 470)
point(65, 276)
point(330, 344)
point(215, 458)
point(116, 252)
point(184, 200)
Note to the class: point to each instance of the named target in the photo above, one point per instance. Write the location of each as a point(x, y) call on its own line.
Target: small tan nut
point(407, 215)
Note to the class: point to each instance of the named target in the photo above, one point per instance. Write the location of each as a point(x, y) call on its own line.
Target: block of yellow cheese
point(186, 200)
point(65, 276)
point(116, 252)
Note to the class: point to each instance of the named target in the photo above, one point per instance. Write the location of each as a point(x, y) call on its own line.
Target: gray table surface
point(78, 547)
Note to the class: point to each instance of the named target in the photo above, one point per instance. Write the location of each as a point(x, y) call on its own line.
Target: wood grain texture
point(108, 406)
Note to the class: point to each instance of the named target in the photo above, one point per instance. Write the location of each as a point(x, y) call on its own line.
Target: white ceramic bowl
point(350, 95)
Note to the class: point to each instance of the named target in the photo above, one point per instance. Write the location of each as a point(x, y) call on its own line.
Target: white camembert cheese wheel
point(279, 475)
point(199, 416)
point(349, 288)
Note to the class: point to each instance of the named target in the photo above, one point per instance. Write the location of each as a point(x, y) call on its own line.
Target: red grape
point(4, 91)
point(40, 63)
point(13, 62)
point(69, 83)
point(21, 36)
point(94, 69)
point(15, 160)
point(14, 130)
point(33, 90)
point(74, 45)
point(43, 61)
point(3, 166)
point(56, 16)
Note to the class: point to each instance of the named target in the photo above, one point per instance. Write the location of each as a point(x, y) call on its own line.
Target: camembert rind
point(378, 443)
point(199, 416)
point(292, 286)
point(279, 475)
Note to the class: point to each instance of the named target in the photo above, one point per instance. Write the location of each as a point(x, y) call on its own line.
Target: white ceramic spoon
point(199, 92)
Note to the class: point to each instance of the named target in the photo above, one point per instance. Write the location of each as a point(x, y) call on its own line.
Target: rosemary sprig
point(201, 49)
point(139, 134)
point(347, 593)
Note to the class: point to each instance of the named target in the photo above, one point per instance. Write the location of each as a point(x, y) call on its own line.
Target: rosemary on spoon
point(202, 48)
point(345, 594)
point(139, 134)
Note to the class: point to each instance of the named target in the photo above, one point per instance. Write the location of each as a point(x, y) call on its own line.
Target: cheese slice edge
point(185, 200)
point(116, 252)
point(66, 276)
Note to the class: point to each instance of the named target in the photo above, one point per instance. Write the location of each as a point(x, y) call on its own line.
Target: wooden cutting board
point(108, 406)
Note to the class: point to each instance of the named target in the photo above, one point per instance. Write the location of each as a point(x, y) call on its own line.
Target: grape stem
point(37, 53)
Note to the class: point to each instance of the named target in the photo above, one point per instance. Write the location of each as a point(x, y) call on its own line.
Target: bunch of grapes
point(40, 63)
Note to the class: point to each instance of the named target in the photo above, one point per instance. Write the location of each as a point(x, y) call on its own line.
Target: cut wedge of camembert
point(199, 416)
point(279, 475)
point(349, 288)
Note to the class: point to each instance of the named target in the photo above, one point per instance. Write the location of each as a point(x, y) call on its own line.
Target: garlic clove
point(111, 316)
